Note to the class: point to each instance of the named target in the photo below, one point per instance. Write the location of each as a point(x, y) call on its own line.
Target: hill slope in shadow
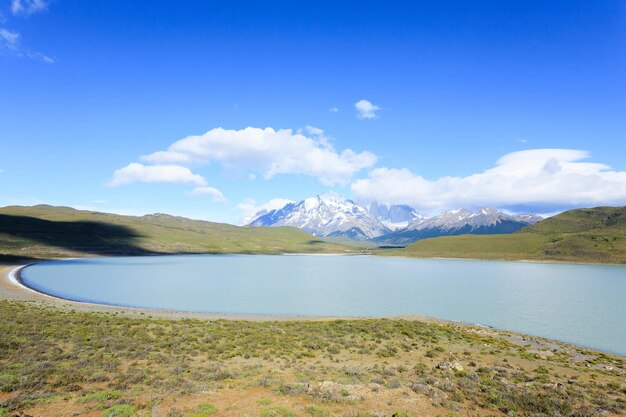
point(47, 231)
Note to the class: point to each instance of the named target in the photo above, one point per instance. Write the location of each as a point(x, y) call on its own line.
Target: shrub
point(203, 410)
point(279, 411)
point(100, 396)
point(122, 410)
point(316, 411)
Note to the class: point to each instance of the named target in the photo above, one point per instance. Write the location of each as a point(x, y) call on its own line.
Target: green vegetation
point(122, 410)
point(57, 361)
point(101, 396)
point(203, 410)
point(317, 411)
point(582, 235)
point(46, 231)
point(279, 411)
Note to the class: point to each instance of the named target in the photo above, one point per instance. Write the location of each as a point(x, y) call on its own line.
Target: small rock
point(452, 366)
point(437, 396)
point(420, 388)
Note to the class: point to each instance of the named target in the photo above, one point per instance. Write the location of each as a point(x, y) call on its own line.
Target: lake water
point(581, 304)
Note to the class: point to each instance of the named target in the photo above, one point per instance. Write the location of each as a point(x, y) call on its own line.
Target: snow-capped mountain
point(327, 214)
point(394, 217)
point(331, 215)
point(460, 221)
point(459, 218)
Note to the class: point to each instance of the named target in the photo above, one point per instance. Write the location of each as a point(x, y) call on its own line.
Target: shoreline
point(531, 261)
point(10, 275)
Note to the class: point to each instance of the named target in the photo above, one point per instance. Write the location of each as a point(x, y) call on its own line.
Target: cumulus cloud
point(268, 152)
point(249, 207)
point(28, 7)
point(172, 174)
point(213, 192)
point(333, 109)
point(540, 177)
point(366, 109)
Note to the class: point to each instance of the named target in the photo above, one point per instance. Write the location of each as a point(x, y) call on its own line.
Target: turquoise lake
point(581, 304)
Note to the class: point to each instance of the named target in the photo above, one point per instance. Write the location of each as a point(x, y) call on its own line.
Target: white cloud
point(10, 40)
point(333, 109)
point(366, 109)
point(314, 130)
point(540, 177)
point(40, 56)
point(213, 192)
point(174, 174)
point(28, 7)
point(249, 207)
point(267, 151)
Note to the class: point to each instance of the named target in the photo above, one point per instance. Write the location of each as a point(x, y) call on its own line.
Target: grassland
point(62, 359)
point(46, 232)
point(582, 235)
point(58, 361)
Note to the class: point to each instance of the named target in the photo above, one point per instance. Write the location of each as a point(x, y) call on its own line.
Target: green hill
point(46, 231)
point(581, 235)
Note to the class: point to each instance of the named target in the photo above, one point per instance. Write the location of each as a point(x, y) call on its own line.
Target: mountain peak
point(331, 196)
point(489, 211)
point(327, 214)
point(331, 214)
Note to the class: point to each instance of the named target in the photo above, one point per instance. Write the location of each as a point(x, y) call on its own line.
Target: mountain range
point(331, 215)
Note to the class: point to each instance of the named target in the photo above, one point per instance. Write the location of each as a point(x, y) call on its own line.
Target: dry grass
point(57, 361)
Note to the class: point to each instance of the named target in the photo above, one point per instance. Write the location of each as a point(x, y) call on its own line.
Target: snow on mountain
point(327, 214)
point(394, 217)
point(463, 218)
point(255, 212)
point(331, 215)
point(457, 222)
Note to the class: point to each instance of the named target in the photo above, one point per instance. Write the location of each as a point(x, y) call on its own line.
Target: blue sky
point(90, 91)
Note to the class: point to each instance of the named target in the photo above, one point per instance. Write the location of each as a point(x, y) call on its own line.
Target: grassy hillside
point(581, 235)
point(46, 231)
